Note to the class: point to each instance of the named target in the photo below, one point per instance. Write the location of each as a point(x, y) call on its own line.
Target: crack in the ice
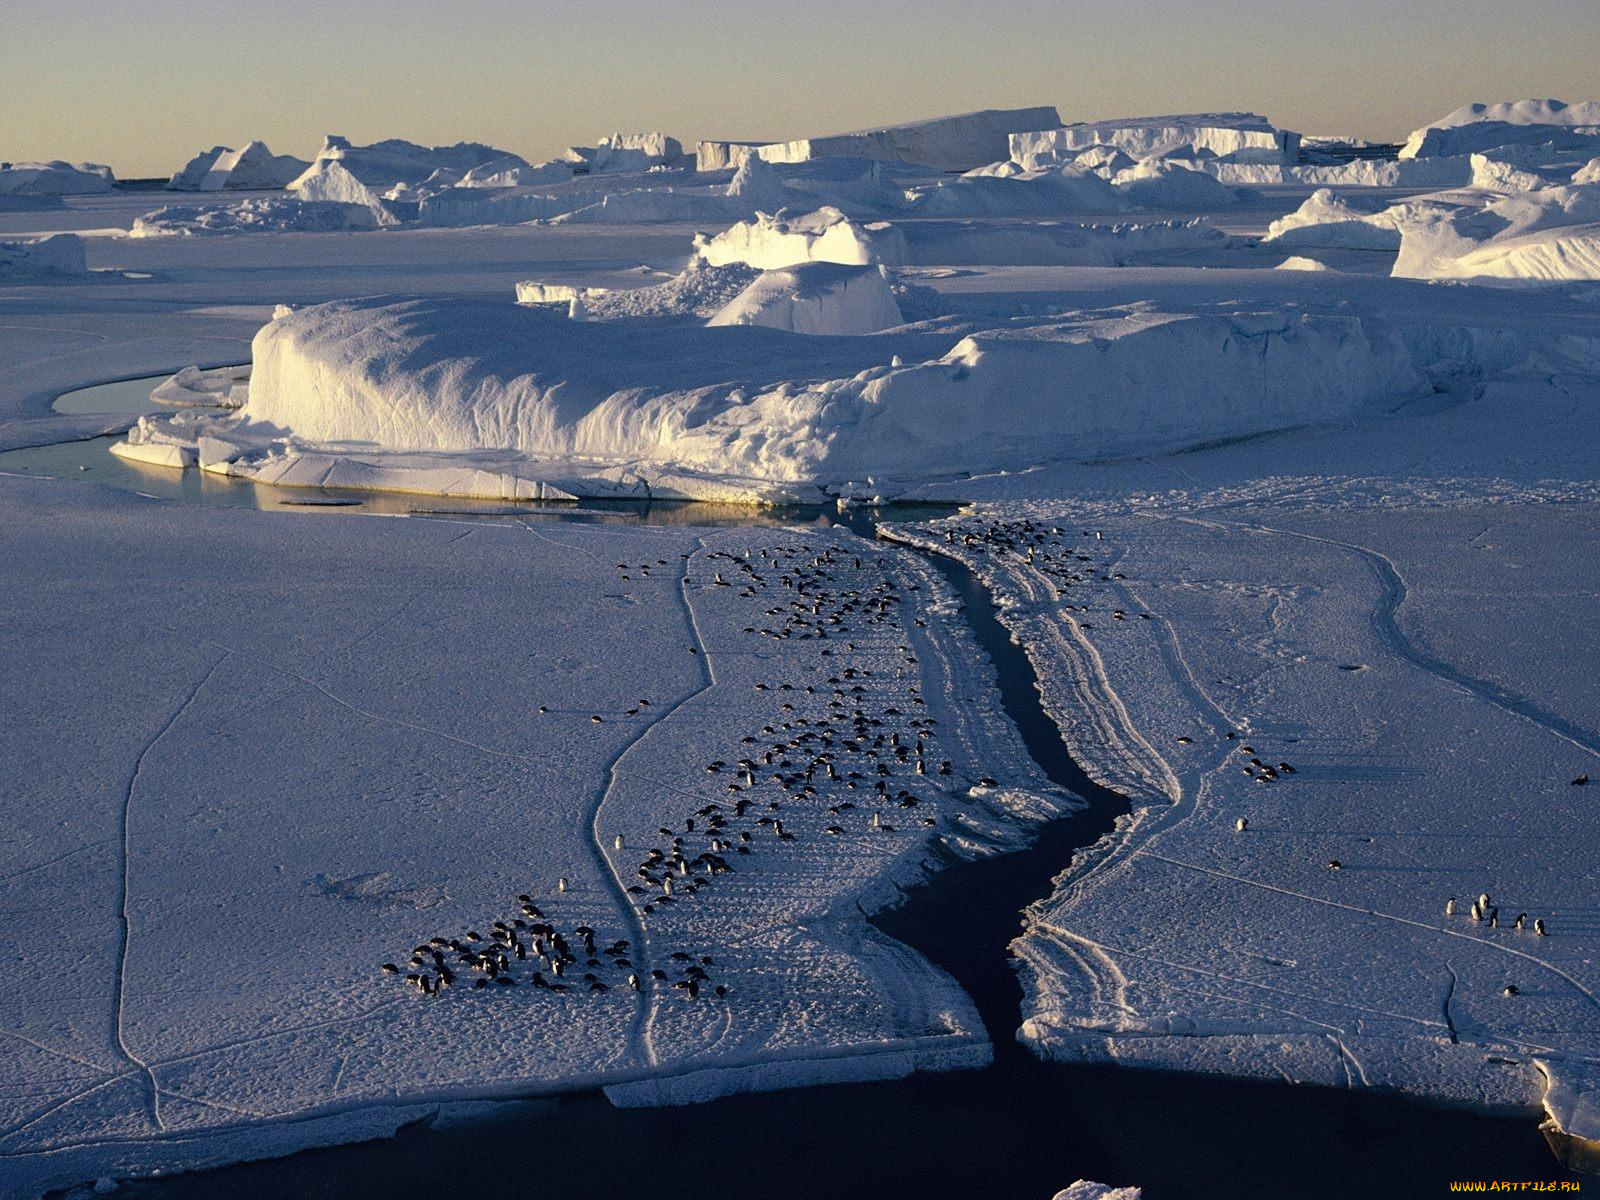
point(1385, 623)
point(119, 985)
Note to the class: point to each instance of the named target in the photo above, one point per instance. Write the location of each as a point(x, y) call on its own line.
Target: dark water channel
point(1020, 1128)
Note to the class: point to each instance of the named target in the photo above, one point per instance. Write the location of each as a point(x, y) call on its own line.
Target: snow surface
point(1394, 611)
point(1447, 430)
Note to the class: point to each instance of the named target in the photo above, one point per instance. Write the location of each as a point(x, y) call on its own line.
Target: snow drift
point(1328, 220)
point(1546, 236)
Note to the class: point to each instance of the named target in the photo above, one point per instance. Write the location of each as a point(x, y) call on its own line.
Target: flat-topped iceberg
point(957, 143)
point(759, 414)
point(1477, 127)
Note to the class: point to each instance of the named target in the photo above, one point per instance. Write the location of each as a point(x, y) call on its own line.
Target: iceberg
point(957, 143)
point(826, 235)
point(1237, 137)
point(815, 298)
point(255, 168)
point(54, 178)
point(1474, 128)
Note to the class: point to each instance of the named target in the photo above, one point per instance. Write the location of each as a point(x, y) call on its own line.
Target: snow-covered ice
point(826, 235)
point(1237, 137)
point(336, 771)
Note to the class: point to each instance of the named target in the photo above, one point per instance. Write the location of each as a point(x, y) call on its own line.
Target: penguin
point(1450, 907)
point(1538, 927)
point(1241, 825)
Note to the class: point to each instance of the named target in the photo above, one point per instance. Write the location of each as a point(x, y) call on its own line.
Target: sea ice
point(317, 773)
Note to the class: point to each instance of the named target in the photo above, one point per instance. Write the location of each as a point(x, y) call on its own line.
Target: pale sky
point(144, 85)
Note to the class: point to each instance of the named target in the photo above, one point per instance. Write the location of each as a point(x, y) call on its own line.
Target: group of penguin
point(1486, 912)
point(1046, 552)
point(841, 770)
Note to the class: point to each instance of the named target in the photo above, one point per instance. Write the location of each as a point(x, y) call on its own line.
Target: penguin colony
point(860, 768)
